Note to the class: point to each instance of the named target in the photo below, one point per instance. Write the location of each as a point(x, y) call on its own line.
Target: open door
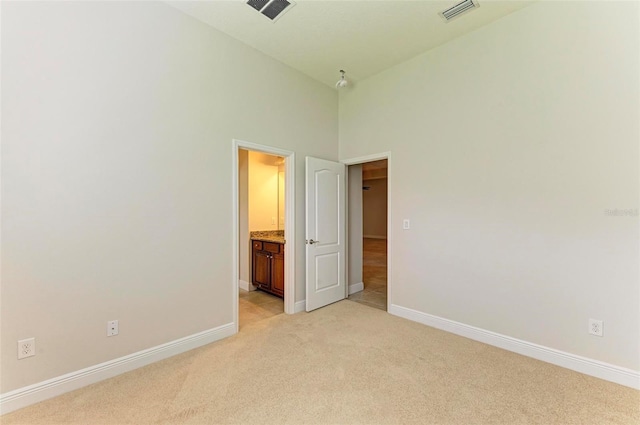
point(325, 232)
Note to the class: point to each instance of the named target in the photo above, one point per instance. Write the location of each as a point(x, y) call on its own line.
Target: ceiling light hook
point(342, 82)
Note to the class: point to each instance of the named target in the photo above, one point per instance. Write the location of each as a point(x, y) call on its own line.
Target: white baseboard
point(598, 369)
point(356, 287)
point(243, 284)
point(23, 397)
point(300, 306)
point(374, 237)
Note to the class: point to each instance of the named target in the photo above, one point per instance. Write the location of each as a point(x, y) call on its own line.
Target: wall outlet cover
point(596, 327)
point(26, 348)
point(112, 328)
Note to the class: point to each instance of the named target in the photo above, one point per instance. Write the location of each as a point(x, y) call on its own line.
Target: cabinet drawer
point(271, 247)
point(257, 244)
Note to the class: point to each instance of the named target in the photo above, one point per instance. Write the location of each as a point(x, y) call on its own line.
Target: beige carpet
point(343, 364)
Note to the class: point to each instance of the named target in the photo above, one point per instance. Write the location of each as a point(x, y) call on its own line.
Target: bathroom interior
point(261, 183)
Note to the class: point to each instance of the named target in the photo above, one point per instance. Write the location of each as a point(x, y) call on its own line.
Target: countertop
point(276, 236)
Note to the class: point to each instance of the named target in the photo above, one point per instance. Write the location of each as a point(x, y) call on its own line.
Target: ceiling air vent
point(272, 9)
point(459, 9)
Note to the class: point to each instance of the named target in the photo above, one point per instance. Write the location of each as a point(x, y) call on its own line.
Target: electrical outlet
point(595, 327)
point(26, 348)
point(406, 224)
point(112, 328)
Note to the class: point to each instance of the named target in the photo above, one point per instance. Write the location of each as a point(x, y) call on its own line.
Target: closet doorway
point(368, 233)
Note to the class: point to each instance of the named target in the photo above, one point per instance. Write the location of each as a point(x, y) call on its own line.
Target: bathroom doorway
point(264, 243)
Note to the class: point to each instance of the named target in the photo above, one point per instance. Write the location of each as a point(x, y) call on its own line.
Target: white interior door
point(325, 232)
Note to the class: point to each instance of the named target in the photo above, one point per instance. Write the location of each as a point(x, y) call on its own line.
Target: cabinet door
point(277, 274)
point(262, 269)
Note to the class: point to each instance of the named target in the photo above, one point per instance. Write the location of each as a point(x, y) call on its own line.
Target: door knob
point(311, 241)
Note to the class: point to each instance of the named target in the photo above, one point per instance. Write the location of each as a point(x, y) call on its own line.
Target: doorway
point(263, 219)
point(368, 221)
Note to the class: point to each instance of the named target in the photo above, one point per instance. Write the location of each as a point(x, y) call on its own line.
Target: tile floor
point(374, 274)
point(257, 305)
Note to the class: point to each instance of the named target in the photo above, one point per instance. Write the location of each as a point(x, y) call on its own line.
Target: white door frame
point(289, 222)
point(362, 160)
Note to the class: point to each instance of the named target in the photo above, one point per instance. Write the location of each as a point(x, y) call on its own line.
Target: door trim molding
point(390, 233)
point(367, 158)
point(289, 224)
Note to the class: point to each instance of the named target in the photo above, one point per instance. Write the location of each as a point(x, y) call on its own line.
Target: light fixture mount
point(342, 82)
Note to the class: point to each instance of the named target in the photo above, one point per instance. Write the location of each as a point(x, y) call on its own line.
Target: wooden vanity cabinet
point(268, 267)
point(277, 273)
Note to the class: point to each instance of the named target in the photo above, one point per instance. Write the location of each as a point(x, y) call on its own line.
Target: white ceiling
point(320, 37)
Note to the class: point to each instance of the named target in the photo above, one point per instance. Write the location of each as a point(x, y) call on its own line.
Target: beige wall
point(508, 146)
point(374, 206)
point(117, 128)
point(263, 191)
